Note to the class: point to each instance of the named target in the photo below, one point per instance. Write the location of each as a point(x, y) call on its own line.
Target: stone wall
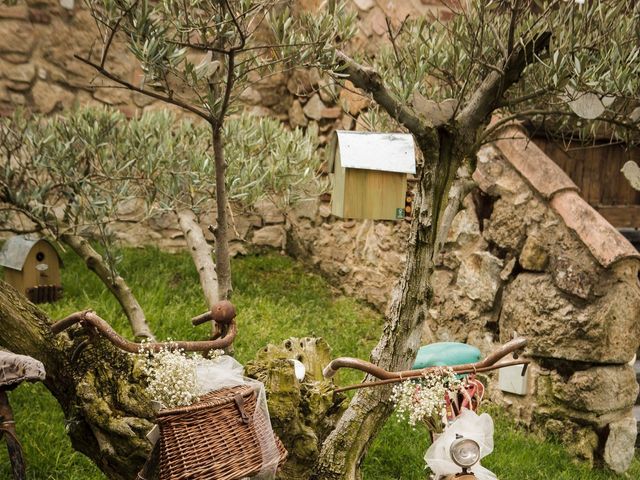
point(528, 256)
point(363, 257)
point(38, 71)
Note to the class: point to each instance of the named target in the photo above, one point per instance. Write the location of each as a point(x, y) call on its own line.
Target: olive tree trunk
point(114, 282)
point(106, 409)
point(223, 258)
point(346, 446)
point(200, 252)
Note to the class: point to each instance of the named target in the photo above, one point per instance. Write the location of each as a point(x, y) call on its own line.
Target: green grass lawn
point(276, 298)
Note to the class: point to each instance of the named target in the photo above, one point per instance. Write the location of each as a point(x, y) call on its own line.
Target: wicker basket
point(217, 438)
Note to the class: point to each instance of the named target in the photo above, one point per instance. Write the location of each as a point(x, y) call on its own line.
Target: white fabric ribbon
point(469, 425)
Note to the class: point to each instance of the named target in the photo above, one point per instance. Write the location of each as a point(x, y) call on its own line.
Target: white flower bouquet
point(424, 399)
point(174, 378)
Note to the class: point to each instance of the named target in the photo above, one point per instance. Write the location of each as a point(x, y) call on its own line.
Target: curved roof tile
point(602, 239)
point(532, 163)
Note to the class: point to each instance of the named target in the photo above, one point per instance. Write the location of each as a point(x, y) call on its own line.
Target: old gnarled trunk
point(107, 411)
point(346, 446)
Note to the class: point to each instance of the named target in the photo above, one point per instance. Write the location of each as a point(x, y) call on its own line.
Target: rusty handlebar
point(484, 365)
point(223, 313)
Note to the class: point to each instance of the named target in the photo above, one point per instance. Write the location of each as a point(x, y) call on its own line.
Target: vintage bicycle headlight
point(465, 452)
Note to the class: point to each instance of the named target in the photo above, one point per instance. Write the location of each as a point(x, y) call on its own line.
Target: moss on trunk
point(103, 400)
point(344, 449)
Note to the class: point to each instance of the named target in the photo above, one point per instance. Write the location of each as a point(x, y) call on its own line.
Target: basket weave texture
point(209, 440)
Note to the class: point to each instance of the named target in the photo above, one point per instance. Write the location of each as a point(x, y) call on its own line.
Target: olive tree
point(68, 177)
point(265, 159)
point(51, 169)
point(64, 178)
point(201, 56)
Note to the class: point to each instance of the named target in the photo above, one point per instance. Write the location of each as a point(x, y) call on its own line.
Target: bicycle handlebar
point(222, 313)
point(486, 364)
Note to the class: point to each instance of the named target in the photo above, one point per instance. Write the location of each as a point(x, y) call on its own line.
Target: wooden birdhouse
point(370, 174)
point(32, 266)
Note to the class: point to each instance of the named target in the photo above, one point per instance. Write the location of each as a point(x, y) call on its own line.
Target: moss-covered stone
point(302, 412)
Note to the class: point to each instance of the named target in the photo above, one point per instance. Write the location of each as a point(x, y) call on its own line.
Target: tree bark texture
point(115, 283)
point(223, 260)
point(105, 405)
point(345, 447)
point(200, 252)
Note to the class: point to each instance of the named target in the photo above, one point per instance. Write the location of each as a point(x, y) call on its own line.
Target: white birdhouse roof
point(16, 249)
point(387, 152)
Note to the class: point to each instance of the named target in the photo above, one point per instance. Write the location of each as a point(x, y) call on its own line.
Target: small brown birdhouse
point(32, 266)
point(370, 174)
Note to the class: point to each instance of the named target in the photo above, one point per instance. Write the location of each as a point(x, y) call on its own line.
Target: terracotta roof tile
point(532, 163)
point(604, 242)
point(602, 239)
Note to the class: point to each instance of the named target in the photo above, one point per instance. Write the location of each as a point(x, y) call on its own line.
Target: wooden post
point(8, 428)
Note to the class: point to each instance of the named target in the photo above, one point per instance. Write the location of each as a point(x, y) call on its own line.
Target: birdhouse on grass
point(32, 266)
point(370, 174)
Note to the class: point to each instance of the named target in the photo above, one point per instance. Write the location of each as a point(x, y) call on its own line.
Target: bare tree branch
point(231, 65)
point(114, 282)
point(200, 252)
point(107, 45)
point(369, 80)
point(515, 11)
point(490, 92)
point(243, 39)
point(510, 102)
point(104, 72)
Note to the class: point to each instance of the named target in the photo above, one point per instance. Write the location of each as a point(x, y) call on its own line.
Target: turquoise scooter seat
point(445, 354)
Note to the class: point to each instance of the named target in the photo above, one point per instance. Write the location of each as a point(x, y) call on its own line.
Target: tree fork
point(346, 446)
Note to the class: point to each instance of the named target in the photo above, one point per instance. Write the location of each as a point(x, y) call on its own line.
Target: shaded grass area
point(276, 299)
point(518, 455)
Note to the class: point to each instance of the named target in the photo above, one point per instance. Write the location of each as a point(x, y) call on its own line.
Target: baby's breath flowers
point(423, 399)
point(172, 375)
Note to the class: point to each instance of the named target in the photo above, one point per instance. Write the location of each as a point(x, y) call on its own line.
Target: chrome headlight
point(465, 452)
